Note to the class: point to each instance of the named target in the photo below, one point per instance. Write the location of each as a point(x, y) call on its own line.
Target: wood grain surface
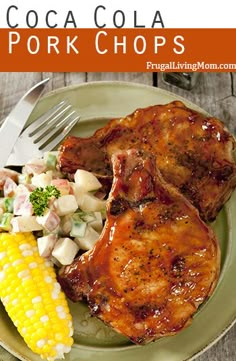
point(215, 92)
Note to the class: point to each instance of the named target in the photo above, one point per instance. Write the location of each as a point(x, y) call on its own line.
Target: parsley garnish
point(40, 198)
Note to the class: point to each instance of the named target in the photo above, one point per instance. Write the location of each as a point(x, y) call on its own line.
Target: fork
point(44, 134)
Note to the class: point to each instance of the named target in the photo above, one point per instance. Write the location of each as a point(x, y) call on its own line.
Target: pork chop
point(156, 260)
point(193, 152)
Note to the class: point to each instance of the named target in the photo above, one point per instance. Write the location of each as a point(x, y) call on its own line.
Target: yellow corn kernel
point(33, 298)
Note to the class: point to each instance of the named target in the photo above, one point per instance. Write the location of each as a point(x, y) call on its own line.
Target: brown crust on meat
point(156, 260)
point(193, 152)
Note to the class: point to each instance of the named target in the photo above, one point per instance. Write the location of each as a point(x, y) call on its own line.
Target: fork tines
point(47, 131)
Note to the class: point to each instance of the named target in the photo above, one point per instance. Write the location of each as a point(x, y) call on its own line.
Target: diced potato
point(97, 224)
point(49, 221)
point(22, 189)
point(56, 231)
point(42, 180)
point(9, 188)
point(78, 193)
point(7, 173)
point(66, 224)
point(46, 245)
point(66, 205)
point(34, 166)
point(86, 180)
point(65, 250)
point(25, 224)
point(88, 240)
point(22, 205)
point(90, 203)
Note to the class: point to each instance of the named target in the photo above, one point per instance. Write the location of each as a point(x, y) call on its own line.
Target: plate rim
point(168, 94)
point(122, 83)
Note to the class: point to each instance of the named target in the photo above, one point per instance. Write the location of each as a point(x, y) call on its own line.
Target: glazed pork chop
point(156, 260)
point(193, 152)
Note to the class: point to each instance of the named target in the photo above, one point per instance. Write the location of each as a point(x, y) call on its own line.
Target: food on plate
point(144, 273)
point(193, 152)
point(45, 220)
point(33, 298)
point(156, 260)
point(67, 216)
point(7, 174)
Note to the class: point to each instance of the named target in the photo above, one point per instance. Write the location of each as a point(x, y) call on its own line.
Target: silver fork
point(44, 134)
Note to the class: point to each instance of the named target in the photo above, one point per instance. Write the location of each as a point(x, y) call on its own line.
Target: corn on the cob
point(33, 298)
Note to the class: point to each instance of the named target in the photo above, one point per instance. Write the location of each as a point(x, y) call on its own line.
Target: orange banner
point(61, 50)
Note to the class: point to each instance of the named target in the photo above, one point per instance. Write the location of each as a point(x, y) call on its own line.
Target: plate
point(97, 102)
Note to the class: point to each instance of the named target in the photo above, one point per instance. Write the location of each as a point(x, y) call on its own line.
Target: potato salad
point(66, 216)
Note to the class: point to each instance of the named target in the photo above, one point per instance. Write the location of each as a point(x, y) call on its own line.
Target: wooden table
point(215, 92)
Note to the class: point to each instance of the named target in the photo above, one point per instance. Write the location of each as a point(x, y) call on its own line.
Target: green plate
point(98, 102)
